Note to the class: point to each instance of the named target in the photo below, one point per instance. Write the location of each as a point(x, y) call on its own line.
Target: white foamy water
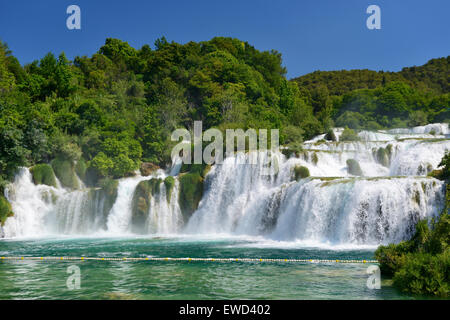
point(165, 215)
point(242, 198)
point(119, 219)
point(29, 206)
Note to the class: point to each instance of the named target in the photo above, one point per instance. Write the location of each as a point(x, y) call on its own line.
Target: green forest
point(108, 113)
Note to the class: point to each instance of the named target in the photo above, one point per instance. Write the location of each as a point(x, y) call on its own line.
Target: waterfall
point(339, 210)
point(119, 220)
point(356, 210)
point(40, 210)
point(30, 203)
point(230, 187)
point(332, 206)
point(165, 216)
point(241, 197)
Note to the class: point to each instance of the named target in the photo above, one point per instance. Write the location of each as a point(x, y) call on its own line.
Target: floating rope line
point(184, 259)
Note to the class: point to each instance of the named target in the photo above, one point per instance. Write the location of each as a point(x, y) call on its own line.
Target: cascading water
point(41, 210)
point(165, 215)
point(355, 210)
point(30, 203)
point(119, 219)
point(331, 206)
point(381, 206)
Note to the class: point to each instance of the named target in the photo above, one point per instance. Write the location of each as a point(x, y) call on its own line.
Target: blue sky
point(311, 35)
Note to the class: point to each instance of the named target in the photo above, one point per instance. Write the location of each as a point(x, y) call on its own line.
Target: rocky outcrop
point(354, 168)
point(169, 182)
point(5, 210)
point(191, 192)
point(383, 155)
point(43, 174)
point(141, 203)
point(301, 172)
point(65, 171)
point(147, 168)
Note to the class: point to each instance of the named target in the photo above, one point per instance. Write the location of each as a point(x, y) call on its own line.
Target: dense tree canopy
point(371, 99)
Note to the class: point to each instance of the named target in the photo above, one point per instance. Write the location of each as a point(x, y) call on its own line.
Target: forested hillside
point(105, 114)
point(374, 100)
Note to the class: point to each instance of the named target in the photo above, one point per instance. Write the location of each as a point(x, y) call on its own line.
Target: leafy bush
point(349, 135)
point(421, 265)
point(5, 210)
point(350, 119)
point(392, 256)
point(417, 118)
point(102, 164)
point(424, 273)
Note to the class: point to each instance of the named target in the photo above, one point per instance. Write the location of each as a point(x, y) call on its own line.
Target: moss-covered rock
point(43, 174)
point(5, 210)
point(141, 203)
point(354, 168)
point(382, 157)
point(389, 150)
point(109, 186)
point(191, 192)
point(92, 177)
point(169, 183)
point(301, 172)
point(140, 206)
point(65, 171)
point(108, 191)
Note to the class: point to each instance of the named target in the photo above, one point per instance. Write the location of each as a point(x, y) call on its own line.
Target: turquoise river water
point(184, 280)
